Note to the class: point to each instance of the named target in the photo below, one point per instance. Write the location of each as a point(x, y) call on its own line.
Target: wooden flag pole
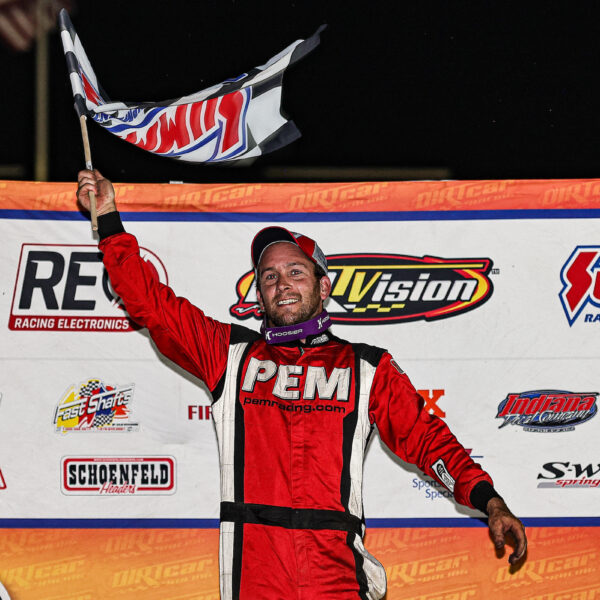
point(88, 165)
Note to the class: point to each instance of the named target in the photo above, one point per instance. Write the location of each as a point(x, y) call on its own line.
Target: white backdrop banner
point(489, 299)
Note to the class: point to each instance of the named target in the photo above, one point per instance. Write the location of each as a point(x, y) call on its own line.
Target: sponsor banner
point(94, 406)
point(346, 197)
point(369, 289)
point(580, 276)
point(567, 474)
point(547, 410)
point(421, 564)
point(64, 287)
point(117, 475)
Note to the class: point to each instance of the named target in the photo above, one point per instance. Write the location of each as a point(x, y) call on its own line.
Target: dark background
point(479, 89)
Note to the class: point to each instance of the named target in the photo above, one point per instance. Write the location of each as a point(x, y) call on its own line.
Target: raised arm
point(181, 331)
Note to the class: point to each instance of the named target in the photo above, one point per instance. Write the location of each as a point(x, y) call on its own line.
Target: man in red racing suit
point(293, 418)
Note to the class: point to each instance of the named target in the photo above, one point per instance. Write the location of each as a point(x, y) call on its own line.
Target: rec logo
point(388, 288)
point(118, 475)
point(61, 287)
point(547, 411)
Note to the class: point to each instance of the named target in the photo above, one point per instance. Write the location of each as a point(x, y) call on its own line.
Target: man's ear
point(260, 300)
point(325, 287)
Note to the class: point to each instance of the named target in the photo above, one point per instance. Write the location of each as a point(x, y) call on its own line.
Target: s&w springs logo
point(385, 288)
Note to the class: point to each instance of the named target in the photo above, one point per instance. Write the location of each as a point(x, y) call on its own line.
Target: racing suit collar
point(311, 330)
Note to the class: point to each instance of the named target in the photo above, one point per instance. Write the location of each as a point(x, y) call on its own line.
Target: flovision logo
point(385, 288)
point(66, 288)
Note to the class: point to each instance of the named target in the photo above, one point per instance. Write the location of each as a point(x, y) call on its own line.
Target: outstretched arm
point(92, 181)
point(502, 522)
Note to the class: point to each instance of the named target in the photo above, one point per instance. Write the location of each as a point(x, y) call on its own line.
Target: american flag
point(239, 118)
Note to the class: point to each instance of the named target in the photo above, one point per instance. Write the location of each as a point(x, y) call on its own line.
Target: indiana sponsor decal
point(95, 406)
point(387, 288)
point(62, 287)
point(117, 475)
point(580, 277)
point(566, 474)
point(547, 410)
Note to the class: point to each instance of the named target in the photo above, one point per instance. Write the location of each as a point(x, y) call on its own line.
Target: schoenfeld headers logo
point(385, 288)
point(118, 475)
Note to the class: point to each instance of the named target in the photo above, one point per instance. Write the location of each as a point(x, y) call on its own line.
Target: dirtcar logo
point(66, 288)
point(94, 406)
point(547, 410)
point(115, 475)
point(384, 288)
point(580, 277)
point(566, 474)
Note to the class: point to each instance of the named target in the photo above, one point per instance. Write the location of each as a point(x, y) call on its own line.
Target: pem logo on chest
point(296, 382)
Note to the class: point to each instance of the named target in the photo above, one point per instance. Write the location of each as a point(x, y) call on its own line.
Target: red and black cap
point(271, 235)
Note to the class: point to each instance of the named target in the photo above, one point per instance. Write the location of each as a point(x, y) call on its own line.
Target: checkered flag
point(88, 389)
point(101, 420)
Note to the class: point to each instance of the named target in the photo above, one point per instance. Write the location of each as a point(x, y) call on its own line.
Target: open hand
point(502, 522)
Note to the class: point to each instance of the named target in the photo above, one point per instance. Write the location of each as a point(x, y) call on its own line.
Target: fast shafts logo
point(386, 288)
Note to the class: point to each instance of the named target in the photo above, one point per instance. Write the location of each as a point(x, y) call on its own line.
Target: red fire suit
point(292, 422)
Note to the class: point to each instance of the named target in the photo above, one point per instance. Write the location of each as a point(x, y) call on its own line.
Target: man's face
point(289, 291)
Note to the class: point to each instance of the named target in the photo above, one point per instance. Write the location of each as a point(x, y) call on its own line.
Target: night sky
point(483, 89)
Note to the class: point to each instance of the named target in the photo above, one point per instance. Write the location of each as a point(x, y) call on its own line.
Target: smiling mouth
point(287, 301)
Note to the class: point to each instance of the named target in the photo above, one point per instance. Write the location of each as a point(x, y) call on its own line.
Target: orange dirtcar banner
point(319, 197)
point(421, 564)
point(486, 293)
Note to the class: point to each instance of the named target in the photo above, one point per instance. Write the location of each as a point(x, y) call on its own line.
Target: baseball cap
point(271, 235)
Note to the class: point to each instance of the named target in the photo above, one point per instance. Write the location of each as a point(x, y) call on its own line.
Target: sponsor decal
point(580, 277)
point(440, 469)
point(199, 412)
point(63, 571)
point(425, 570)
point(63, 287)
point(94, 406)
point(564, 567)
point(569, 475)
point(547, 410)
point(118, 475)
point(387, 288)
point(433, 489)
point(2, 481)
point(432, 397)
point(186, 570)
